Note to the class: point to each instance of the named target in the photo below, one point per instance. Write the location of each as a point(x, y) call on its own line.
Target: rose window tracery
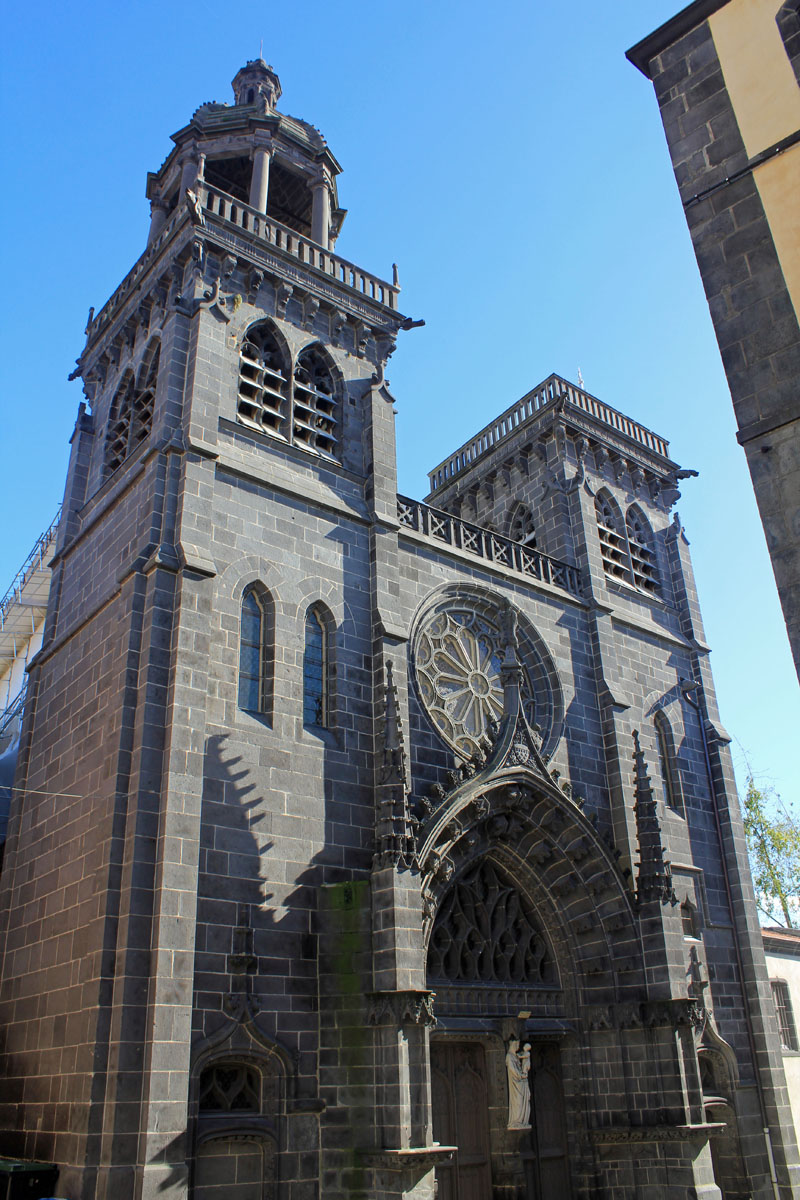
point(459, 655)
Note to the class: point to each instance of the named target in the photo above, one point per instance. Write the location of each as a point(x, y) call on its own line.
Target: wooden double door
point(460, 1096)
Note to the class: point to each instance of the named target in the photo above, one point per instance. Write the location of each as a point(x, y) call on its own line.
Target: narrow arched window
point(315, 670)
point(689, 920)
point(119, 424)
point(143, 403)
point(521, 527)
point(670, 779)
point(255, 652)
point(613, 544)
point(640, 546)
point(316, 416)
point(263, 400)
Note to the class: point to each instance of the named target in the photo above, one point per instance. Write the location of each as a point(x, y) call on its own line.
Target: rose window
point(459, 654)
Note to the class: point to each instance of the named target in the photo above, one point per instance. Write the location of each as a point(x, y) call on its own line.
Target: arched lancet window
point(689, 922)
point(256, 651)
point(263, 382)
point(144, 396)
point(613, 543)
point(670, 777)
point(788, 20)
point(640, 546)
point(131, 416)
point(119, 424)
point(316, 670)
point(316, 417)
point(521, 527)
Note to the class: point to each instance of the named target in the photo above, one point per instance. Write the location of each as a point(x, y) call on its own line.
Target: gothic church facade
point(365, 847)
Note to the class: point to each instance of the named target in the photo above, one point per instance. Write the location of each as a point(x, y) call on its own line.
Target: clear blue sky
point(511, 162)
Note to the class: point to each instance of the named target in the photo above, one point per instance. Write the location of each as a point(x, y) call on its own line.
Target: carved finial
point(580, 378)
point(394, 755)
point(395, 843)
point(653, 876)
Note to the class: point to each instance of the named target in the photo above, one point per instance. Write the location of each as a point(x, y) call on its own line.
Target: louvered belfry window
point(263, 383)
point(131, 417)
point(612, 538)
point(315, 422)
point(299, 406)
point(119, 426)
point(641, 551)
point(626, 545)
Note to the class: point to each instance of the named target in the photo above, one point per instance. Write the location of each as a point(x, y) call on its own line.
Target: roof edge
point(643, 53)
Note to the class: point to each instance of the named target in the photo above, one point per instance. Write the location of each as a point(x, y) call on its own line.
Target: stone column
point(259, 184)
point(158, 219)
point(188, 174)
point(321, 213)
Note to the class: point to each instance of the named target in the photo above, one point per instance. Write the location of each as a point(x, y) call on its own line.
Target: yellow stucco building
point(727, 79)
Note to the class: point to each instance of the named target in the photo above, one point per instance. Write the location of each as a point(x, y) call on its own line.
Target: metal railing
point(483, 543)
point(14, 710)
point(32, 563)
point(519, 414)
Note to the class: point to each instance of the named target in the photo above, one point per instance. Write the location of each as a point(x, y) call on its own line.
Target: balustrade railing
point(525, 410)
point(267, 229)
point(220, 204)
point(483, 543)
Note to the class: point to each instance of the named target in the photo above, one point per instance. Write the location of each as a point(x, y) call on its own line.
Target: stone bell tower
point(198, 758)
point(342, 819)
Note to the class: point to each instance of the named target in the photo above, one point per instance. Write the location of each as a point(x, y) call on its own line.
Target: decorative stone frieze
point(401, 1008)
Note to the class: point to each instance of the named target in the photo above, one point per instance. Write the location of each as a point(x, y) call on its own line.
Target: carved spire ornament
point(395, 843)
point(653, 876)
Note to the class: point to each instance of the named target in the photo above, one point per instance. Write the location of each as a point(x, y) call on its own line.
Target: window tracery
point(458, 659)
point(486, 932)
point(229, 1087)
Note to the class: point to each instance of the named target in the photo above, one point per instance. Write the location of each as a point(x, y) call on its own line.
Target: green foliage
point(773, 841)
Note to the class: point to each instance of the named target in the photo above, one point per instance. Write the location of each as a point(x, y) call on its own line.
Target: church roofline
point(526, 412)
point(643, 53)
